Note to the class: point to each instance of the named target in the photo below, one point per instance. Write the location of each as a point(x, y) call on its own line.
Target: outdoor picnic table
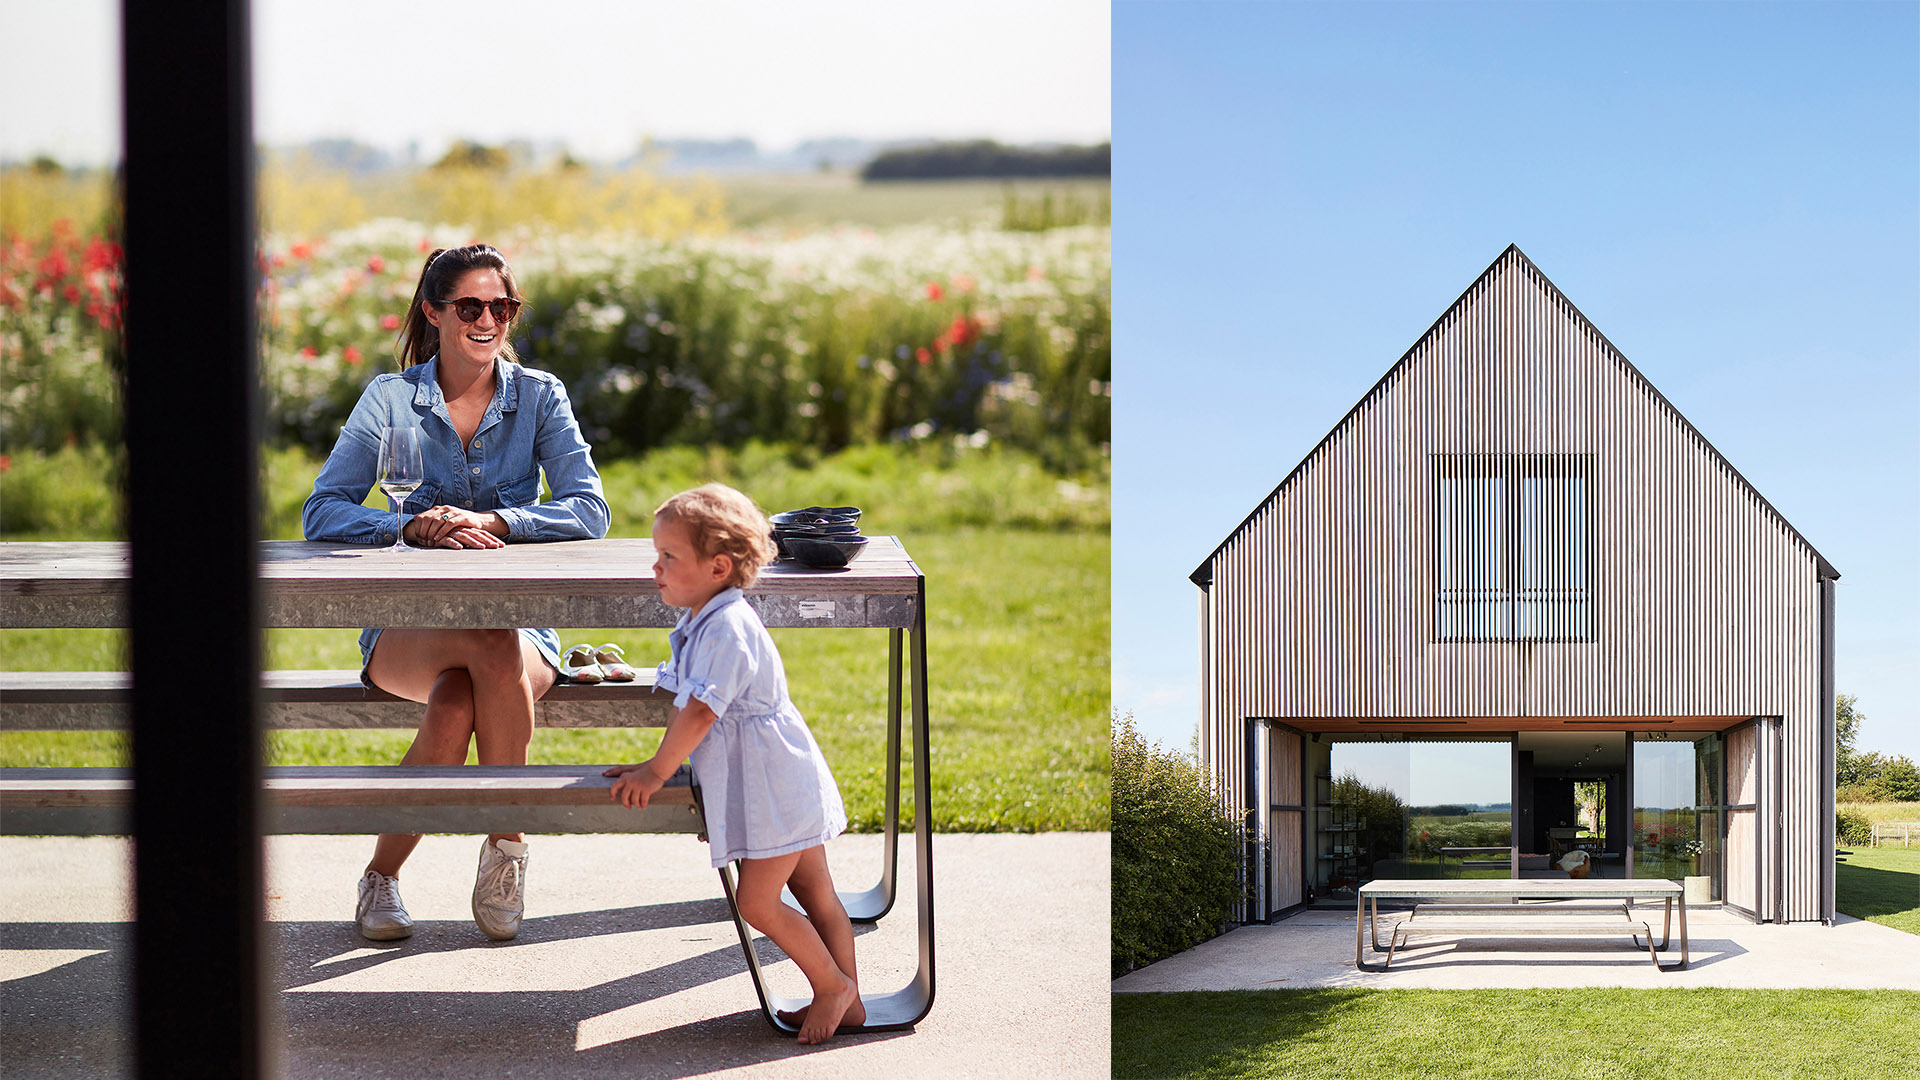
point(1366, 928)
point(584, 583)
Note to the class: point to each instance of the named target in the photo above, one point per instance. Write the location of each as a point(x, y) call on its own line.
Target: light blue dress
point(764, 784)
point(528, 428)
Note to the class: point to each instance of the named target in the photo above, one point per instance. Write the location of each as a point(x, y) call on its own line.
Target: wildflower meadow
point(829, 337)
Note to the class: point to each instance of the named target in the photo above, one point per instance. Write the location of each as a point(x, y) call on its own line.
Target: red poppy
point(940, 343)
point(934, 291)
point(300, 251)
point(308, 352)
point(6, 462)
point(55, 265)
point(389, 322)
point(100, 255)
point(426, 246)
point(72, 293)
point(350, 354)
point(922, 355)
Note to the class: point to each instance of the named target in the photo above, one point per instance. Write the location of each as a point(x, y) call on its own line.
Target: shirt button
point(469, 502)
point(476, 444)
point(476, 472)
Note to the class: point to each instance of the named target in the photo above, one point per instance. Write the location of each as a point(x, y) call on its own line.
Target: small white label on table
point(816, 609)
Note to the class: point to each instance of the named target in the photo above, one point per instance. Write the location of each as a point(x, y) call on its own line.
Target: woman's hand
point(452, 527)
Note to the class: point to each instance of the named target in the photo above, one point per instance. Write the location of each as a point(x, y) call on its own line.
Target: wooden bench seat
point(97, 701)
point(356, 799)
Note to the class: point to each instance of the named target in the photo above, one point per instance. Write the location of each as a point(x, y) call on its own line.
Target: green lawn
point(1602, 1034)
point(1880, 884)
point(1017, 635)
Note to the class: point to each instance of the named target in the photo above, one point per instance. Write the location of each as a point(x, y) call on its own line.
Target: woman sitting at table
point(489, 427)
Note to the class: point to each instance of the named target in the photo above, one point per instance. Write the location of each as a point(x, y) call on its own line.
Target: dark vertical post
point(190, 488)
point(1826, 842)
point(1627, 796)
point(1250, 823)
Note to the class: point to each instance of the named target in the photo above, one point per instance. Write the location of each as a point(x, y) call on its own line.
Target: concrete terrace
point(627, 965)
point(1314, 949)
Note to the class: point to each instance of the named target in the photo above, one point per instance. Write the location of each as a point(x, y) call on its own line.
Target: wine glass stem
point(399, 527)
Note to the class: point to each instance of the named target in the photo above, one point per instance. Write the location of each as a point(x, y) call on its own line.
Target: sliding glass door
point(1679, 807)
point(1407, 807)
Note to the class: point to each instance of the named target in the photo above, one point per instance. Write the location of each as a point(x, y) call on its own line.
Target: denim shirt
point(528, 427)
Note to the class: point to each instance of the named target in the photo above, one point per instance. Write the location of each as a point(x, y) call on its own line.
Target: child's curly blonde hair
point(722, 521)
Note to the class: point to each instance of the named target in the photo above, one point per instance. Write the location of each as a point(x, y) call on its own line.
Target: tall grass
point(1883, 811)
point(33, 198)
point(305, 202)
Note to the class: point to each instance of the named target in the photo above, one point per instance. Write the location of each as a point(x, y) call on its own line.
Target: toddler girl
point(770, 800)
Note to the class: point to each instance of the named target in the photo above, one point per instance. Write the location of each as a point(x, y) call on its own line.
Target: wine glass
point(400, 473)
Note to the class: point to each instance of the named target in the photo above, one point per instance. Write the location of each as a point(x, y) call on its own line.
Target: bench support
point(907, 1006)
point(1367, 925)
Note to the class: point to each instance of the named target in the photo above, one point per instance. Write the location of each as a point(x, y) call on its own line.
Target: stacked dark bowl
point(825, 537)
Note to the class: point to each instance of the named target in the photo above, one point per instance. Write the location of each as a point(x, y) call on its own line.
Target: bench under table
point(1494, 907)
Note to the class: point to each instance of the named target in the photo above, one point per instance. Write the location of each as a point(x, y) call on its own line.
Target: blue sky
point(1731, 192)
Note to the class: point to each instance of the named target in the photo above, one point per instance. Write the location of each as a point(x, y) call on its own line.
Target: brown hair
point(722, 521)
point(419, 339)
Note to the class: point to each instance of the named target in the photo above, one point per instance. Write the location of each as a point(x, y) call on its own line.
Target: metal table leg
point(906, 1006)
point(1684, 958)
point(868, 905)
point(1373, 925)
point(1363, 929)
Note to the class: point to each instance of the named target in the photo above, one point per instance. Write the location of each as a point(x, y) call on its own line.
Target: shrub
point(1377, 815)
point(1176, 853)
point(72, 493)
point(1850, 826)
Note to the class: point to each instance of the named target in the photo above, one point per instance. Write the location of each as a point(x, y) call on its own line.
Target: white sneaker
point(380, 914)
point(499, 890)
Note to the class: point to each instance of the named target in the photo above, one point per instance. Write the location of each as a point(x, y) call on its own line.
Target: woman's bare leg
point(478, 686)
point(835, 995)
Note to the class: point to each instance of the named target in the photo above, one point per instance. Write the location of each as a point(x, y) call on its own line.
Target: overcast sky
point(598, 74)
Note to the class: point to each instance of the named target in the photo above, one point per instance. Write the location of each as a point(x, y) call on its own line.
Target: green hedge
point(1176, 854)
point(1850, 826)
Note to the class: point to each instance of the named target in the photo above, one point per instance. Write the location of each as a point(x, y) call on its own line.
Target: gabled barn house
point(1513, 617)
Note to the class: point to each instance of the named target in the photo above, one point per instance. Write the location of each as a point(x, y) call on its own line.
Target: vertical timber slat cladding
point(1515, 523)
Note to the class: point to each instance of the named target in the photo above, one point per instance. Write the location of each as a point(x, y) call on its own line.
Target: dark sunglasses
point(469, 309)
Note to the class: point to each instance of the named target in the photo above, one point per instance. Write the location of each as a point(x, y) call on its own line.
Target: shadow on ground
point(74, 1020)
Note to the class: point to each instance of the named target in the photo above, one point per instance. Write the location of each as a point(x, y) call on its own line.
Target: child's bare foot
point(856, 1015)
point(827, 1014)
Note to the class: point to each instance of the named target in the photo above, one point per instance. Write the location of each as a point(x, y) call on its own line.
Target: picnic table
point(1518, 898)
point(586, 583)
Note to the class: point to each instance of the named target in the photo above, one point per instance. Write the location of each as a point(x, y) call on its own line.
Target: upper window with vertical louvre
point(1512, 545)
